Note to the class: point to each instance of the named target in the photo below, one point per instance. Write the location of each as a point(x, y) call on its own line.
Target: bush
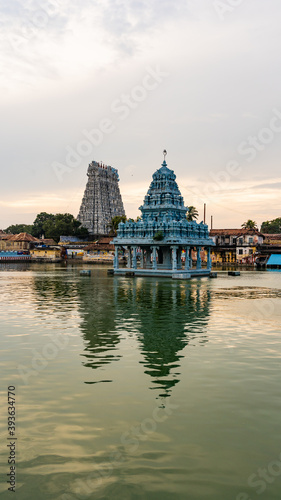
point(158, 236)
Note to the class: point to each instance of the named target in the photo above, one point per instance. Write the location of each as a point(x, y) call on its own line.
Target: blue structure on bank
point(163, 235)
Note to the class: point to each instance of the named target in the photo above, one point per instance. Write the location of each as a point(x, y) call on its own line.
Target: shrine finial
point(164, 153)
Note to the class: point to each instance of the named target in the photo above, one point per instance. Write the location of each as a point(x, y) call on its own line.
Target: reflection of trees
point(169, 315)
point(56, 291)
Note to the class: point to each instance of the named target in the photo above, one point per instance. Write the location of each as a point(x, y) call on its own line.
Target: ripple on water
point(164, 390)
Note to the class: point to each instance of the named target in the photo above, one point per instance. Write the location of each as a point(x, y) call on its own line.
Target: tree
point(51, 226)
point(249, 224)
point(39, 223)
point(271, 226)
point(134, 220)
point(192, 213)
point(114, 223)
point(19, 228)
point(63, 224)
point(54, 226)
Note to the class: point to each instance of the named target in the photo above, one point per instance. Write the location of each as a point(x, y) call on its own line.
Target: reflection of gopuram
point(98, 325)
point(167, 318)
point(163, 235)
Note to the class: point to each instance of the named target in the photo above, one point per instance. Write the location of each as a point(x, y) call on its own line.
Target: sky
point(119, 81)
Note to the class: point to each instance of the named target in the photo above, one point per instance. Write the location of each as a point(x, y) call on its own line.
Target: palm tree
point(192, 213)
point(114, 223)
point(250, 224)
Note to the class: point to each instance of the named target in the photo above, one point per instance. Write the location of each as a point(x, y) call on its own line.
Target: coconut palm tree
point(249, 224)
point(192, 213)
point(114, 223)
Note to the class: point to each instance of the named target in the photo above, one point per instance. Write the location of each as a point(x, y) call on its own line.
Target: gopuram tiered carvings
point(161, 242)
point(102, 199)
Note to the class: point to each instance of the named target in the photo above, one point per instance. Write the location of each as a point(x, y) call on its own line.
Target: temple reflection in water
point(161, 317)
point(164, 317)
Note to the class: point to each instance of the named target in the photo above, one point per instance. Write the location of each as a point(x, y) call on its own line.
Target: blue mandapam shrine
point(163, 235)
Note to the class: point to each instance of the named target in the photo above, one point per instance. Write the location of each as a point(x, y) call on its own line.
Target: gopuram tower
point(102, 199)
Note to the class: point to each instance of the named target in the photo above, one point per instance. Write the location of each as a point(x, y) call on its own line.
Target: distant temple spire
point(102, 199)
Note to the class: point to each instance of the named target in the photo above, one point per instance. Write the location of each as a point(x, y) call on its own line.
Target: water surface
point(141, 388)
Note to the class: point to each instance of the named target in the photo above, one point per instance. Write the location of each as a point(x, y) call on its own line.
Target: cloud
point(76, 60)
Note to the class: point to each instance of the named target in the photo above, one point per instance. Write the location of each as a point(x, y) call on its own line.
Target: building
point(4, 238)
point(235, 246)
point(53, 253)
point(163, 237)
point(272, 240)
point(101, 251)
point(102, 199)
point(270, 252)
point(21, 242)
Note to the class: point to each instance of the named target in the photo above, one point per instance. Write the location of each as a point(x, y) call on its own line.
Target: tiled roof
point(106, 240)
point(48, 241)
point(234, 232)
point(23, 237)
point(4, 236)
point(97, 246)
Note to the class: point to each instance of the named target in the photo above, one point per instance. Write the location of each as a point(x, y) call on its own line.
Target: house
point(74, 246)
point(3, 241)
point(53, 253)
point(101, 251)
point(21, 242)
point(272, 239)
point(235, 246)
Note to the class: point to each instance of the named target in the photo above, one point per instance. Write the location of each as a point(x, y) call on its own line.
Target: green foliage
point(63, 224)
point(52, 226)
point(192, 213)
point(134, 220)
point(39, 223)
point(19, 228)
point(158, 236)
point(115, 221)
point(249, 224)
point(271, 226)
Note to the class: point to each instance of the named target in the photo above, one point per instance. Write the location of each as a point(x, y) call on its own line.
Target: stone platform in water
point(164, 273)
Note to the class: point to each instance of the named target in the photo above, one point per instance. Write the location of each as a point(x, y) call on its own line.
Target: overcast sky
point(118, 81)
